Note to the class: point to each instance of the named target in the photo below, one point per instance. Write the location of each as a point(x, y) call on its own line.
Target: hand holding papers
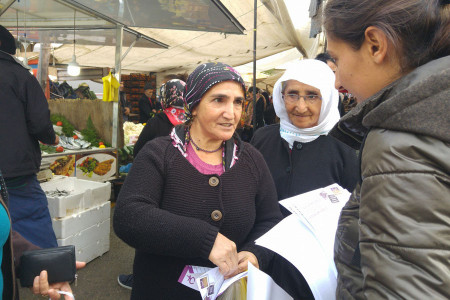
point(211, 284)
point(306, 238)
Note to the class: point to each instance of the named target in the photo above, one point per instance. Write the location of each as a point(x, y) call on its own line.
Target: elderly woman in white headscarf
point(300, 155)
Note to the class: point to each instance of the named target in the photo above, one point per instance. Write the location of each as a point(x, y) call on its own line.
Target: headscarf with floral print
point(172, 100)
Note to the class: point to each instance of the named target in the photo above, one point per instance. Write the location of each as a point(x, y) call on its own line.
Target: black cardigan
point(308, 166)
point(157, 126)
point(165, 207)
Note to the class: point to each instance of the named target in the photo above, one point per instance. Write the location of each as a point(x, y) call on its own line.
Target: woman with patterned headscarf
point(173, 114)
point(198, 197)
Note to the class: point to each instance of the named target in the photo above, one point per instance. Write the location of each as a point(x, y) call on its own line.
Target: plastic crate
point(84, 194)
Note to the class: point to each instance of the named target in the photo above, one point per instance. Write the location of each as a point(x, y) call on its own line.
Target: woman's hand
point(42, 287)
point(224, 255)
point(245, 257)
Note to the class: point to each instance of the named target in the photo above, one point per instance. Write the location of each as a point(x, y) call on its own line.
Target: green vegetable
point(47, 148)
point(126, 155)
point(67, 127)
point(90, 134)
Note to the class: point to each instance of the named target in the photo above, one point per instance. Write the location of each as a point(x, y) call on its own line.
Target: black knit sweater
point(157, 126)
point(165, 207)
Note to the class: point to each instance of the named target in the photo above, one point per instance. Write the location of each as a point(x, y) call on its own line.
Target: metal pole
point(44, 59)
point(255, 13)
point(117, 68)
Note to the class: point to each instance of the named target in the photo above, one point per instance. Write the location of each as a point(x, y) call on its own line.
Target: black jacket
point(157, 126)
point(166, 210)
point(146, 106)
point(24, 119)
point(308, 166)
point(259, 111)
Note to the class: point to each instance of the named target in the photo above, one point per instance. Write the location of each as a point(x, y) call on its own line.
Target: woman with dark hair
point(393, 237)
point(199, 196)
point(160, 125)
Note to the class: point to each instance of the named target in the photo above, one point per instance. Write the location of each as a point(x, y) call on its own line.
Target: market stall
point(80, 25)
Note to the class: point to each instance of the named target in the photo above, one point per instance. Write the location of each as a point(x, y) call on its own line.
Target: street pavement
point(98, 280)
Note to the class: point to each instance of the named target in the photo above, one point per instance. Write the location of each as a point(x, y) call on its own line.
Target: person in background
point(259, 107)
point(173, 114)
point(181, 76)
point(299, 152)
point(161, 125)
point(200, 196)
point(393, 236)
point(326, 58)
point(124, 104)
point(147, 106)
point(269, 114)
point(24, 121)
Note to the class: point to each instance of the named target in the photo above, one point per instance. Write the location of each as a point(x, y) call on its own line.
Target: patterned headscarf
point(203, 78)
point(172, 100)
point(172, 93)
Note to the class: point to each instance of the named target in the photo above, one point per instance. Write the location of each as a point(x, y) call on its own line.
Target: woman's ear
point(376, 43)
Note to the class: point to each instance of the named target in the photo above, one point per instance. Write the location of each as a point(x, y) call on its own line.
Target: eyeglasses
point(293, 98)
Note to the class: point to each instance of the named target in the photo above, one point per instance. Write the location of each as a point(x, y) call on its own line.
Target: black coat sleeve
point(37, 112)
point(260, 113)
point(350, 175)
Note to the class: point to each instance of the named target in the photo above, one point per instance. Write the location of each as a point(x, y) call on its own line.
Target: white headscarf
point(317, 74)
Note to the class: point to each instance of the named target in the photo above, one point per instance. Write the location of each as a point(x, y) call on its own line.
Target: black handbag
point(59, 263)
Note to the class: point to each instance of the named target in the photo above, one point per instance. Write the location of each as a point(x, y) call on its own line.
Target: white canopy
point(282, 25)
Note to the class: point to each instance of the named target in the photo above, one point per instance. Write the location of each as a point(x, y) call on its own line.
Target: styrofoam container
point(70, 225)
point(88, 236)
point(84, 194)
point(92, 251)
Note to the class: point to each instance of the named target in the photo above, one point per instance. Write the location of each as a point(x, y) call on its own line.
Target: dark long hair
point(418, 30)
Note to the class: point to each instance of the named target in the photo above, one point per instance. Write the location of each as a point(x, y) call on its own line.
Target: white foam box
point(87, 236)
point(83, 195)
point(70, 225)
point(91, 242)
point(92, 251)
